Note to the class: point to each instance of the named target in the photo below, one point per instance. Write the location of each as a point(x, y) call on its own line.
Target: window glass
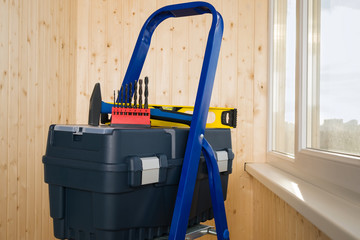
point(334, 76)
point(283, 78)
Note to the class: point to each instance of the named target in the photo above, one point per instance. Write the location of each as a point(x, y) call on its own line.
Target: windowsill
point(334, 216)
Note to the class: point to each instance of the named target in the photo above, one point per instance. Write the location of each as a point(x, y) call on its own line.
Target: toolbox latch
point(147, 170)
point(150, 170)
point(224, 160)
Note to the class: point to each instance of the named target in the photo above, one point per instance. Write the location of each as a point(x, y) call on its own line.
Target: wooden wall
point(37, 76)
point(53, 52)
point(274, 219)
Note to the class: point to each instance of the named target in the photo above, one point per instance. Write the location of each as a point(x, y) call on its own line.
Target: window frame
point(334, 172)
point(272, 123)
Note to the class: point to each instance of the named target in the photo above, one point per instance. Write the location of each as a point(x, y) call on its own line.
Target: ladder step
point(195, 232)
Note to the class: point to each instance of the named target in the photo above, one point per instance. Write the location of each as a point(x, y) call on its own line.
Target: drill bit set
point(126, 111)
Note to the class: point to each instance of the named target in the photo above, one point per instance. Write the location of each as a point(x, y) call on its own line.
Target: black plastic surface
point(95, 188)
point(95, 106)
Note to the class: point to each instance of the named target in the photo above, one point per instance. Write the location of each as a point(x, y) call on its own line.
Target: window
point(314, 114)
point(334, 76)
point(283, 76)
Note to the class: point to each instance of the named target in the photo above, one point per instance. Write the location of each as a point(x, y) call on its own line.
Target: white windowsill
point(334, 216)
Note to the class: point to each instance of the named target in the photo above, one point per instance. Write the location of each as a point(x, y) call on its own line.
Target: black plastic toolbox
point(109, 183)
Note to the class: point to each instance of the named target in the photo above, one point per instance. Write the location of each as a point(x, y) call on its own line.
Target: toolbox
point(133, 176)
point(120, 183)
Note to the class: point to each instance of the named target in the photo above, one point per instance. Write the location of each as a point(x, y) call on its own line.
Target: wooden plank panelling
point(42, 221)
point(32, 94)
point(179, 59)
point(163, 49)
point(32, 162)
point(4, 94)
point(114, 38)
point(83, 61)
point(260, 78)
point(53, 52)
point(13, 120)
point(197, 43)
point(276, 220)
point(23, 118)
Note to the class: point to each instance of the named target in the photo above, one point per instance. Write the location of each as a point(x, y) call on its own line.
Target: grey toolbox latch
point(224, 160)
point(147, 170)
point(150, 170)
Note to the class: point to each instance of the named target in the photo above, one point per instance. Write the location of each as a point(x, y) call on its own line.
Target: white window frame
point(333, 172)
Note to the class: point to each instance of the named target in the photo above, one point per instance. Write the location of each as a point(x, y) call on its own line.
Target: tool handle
point(170, 116)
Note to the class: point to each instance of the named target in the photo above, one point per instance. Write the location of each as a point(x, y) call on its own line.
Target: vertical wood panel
point(83, 60)
point(163, 43)
point(98, 43)
point(4, 88)
point(65, 48)
point(23, 118)
point(260, 78)
point(276, 220)
point(114, 45)
point(39, 75)
point(131, 27)
point(13, 120)
point(197, 43)
point(179, 61)
point(31, 207)
point(242, 185)
point(73, 27)
point(25, 94)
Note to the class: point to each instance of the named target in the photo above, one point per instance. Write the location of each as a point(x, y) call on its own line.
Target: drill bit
point(146, 92)
point(126, 95)
point(114, 99)
point(118, 103)
point(130, 95)
point(140, 93)
point(122, 96)
point(135, 93)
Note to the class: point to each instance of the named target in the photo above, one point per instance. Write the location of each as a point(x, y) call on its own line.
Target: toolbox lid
point(79, 129)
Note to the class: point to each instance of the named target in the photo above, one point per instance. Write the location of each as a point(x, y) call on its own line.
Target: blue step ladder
point(196, 142)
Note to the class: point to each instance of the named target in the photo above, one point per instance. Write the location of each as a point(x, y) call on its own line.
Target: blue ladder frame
point(196, 141)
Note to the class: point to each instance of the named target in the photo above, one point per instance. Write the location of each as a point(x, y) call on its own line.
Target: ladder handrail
point(202, 103)
point(144, 39)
